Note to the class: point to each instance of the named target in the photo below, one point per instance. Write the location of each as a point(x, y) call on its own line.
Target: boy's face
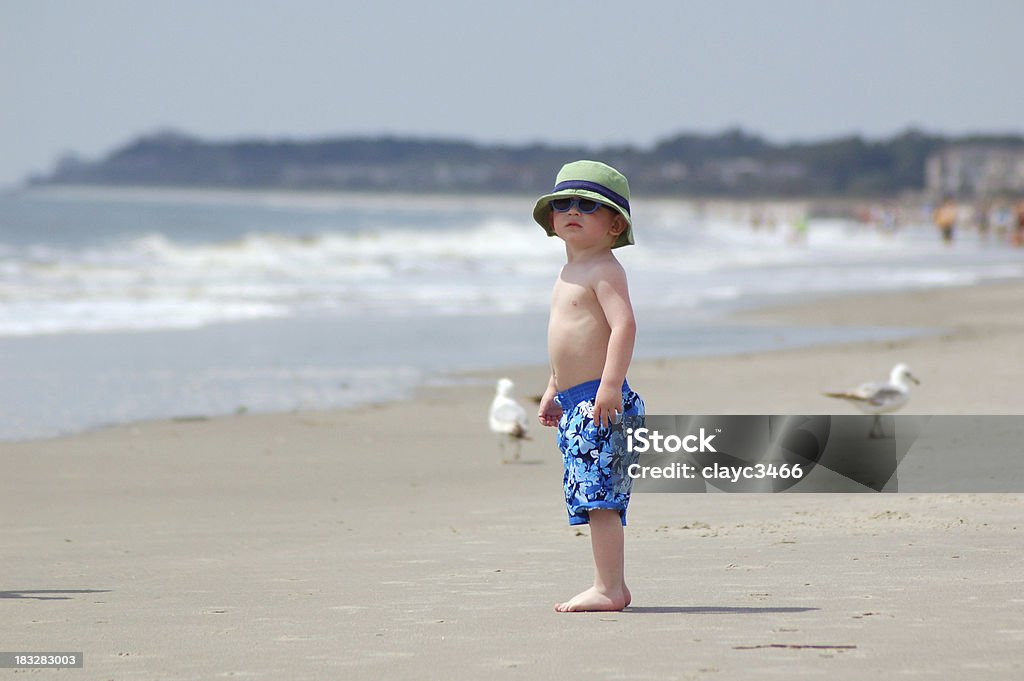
point(588, 229)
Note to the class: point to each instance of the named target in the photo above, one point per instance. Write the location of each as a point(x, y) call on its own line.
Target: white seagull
point(881, 398)
point(507, 418)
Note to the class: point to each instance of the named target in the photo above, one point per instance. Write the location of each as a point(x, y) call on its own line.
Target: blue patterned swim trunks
point(595, 459)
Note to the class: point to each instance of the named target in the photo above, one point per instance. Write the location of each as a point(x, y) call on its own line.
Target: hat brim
point(542, 213)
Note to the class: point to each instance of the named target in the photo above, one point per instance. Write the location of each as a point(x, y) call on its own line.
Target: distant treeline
point(731, 164)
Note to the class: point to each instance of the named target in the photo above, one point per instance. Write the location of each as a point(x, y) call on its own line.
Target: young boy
point(590, 344)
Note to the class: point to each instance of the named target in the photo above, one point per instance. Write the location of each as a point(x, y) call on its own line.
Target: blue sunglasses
point(585, 206)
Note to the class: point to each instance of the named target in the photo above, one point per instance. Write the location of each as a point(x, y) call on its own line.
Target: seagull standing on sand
point(881, 398)
point(507, 418)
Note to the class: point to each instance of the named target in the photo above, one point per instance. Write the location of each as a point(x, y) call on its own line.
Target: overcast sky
point(88, 75)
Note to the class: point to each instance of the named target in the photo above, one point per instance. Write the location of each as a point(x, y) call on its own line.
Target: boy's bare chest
point(571, 300)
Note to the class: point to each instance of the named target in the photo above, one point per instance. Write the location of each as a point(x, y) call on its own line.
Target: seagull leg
point(877, 431)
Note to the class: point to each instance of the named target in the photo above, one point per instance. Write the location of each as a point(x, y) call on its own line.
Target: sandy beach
point(388, 541)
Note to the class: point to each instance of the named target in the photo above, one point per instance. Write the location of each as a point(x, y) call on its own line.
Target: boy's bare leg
point(609, 591)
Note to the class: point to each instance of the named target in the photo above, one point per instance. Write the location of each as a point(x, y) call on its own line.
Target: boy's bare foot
point(593, 600)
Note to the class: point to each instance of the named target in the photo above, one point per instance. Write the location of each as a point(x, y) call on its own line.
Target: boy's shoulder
point(603, 268)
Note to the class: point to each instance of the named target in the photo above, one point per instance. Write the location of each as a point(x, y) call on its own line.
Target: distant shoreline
point(732, 164)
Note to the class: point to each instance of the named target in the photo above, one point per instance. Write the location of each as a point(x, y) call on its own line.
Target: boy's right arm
point(550, 412)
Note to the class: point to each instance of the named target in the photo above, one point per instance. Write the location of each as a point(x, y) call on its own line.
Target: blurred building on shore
point(975, 171)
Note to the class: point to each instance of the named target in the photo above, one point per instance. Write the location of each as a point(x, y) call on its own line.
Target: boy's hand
point(607, 406)
point(549, 413)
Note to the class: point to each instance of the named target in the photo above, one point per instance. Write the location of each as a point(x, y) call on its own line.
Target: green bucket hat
point(592, 180)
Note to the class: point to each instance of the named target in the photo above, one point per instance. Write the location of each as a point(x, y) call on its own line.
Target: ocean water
point(120, 305)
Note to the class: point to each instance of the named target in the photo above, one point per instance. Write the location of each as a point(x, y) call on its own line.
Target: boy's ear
point(618, 225)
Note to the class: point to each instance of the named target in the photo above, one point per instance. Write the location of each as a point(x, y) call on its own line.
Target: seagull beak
point(914, 379)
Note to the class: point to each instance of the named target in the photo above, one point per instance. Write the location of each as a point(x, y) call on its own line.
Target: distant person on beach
point(798, 233)
point(590, 345)
point(945, 219)
point(1001, 218)
point(890, 219)
point(983, 219)
point(1018, 231)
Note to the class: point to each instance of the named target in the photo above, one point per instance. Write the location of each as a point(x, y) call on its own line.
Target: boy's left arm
point(613, 296)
